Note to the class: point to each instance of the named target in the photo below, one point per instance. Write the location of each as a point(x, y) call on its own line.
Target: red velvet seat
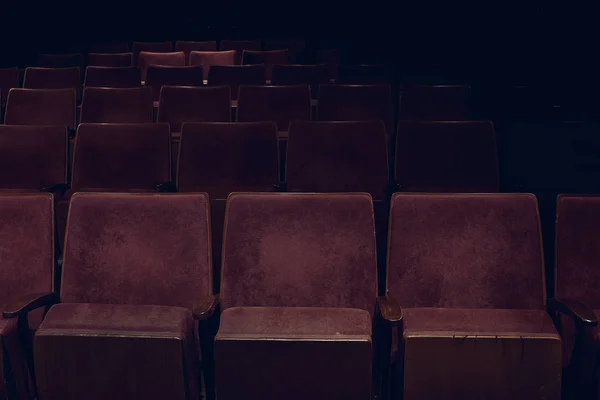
point(9, 78)
point(158, 76)
point(146, 59)
point(113, 77)
point(266, 58)
point(209, 58)
point(153, 47)
point(467, 271)
point(110, 59)
point(109, 47)
point(313, 75)
point(27, 254)
point(239, 46)
point(53, 78)
point(41, 107)
point(364, 74)
point(436, 103)
point(60, 60)
point(446, 157)
point(131, 307)
point(117, 105)
point(188, 47)
point(236, 75)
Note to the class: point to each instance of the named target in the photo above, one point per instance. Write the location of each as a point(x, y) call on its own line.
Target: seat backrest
point(356, 103)
point(364, 74)
point(209, 58)
point(113, 77)
point(236, 75)
point(267, 58)
point(449, 157)
point(114, 47)
point(41, 107)
point(117, 105)
point(239, 46)
point(436, 103)
point(295, 48)
point(110, 59)
point(187, 47)
point(137, 249)
point(220, 158)
point(153, 47)
point(313, 75)
point(173, 59)
point(9, 78)
point(466, 251)
point(60, 60)
point(27, 250)
point(299, 250)
point(33, 157)
point(121, 157)
point(158, 76)
point(577, 250)
point(53, 78)
point(281, 104)
point(337, 157)
point(179, 104)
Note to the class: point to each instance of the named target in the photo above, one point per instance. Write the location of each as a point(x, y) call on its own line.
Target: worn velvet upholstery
point(236, 75)
point(152, 47)
point(436, 103)
point(9, 78)
point(446, 157)
point(53, 78)
point(267, 58)
point(117, 105)
point(281, 104)
point(110, 60)
point(209, 58)
point(173, 59)
point(188, 47)
point(41, 107)
point(33, 157)
point(356, 103)
point(159, 76)
point(179, 104)
point(364, 74)
point(239, 46)
point(313, 75)
point(113, 77)
point(60, 60)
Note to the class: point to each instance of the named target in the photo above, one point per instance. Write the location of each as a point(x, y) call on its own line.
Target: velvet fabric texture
point(53, 78)
point(173, 59)
point(220, 158)
point(281, 104)
point(137, 249)
point(236, 75)
point(179, 104)
point(266, 58)
point(110, 60)
point(448, 157)
point(33, 157)
point(41, 107)
point(299, 250)
point(337, 157)
point(9, 78)
point(60, 60)
point(152, 47)
point(188, 47)
point(239, 46)
point(356, 103)
point(121, 157)
point(436, 103)
point(209, 58)
point(364, 74)
point(113, 105)
point(313, 75)
point(465, 251)
point(159, 76)
point(113, 77)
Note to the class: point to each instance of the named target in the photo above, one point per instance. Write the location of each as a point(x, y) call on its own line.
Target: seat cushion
point(151, 351)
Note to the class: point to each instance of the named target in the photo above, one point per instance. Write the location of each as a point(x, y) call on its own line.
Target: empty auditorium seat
point(295, 48)
point(153, 47)
point(136, 276)
point(209, 58)
point(447, 157)
point(364, 74)
point(27, 254)
point(468, 272)
point(436, 103)
point(41, 107)
point(236, 75)
point(117, 105)
point(32, 157)
point(53, 78)
point(239, 46)
point(60, 60)
point(313, 75)
point(298, 284)
point(109, 47)
point(110, 59)
point(176, 59)
point(281, 104)
point(158, 76)
point(187, 47)
point(356, 103)
point(9, 78)
point(113, 77)
point(266, 58)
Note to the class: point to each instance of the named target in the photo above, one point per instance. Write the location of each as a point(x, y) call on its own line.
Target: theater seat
point(159, 76)
point(236, 75)
point(266, 58)
point(239, 46)
point(53, 78)
point(113, 77)
point(189, 47)
point(110, 60)
point(41, 107)
point(117, 105)
point(209, 58)
point(146, 59)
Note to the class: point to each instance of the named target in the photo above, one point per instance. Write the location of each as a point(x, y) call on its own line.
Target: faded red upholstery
point(364, 74)
point(113, 77)
point(41, 107)
point(189, 47)
point(281, 104)
point(9, 78)
point(117, 105)
point(468, 272)
point(446, 157)
point(159, 76)
point(239, 46)
point(60, 60)
point(209, 58)
point(436, 103)
point(152, 47)
point(110, 60)
point(313, 75)
point(236, 75)
point(266, 58)
point(174, 59)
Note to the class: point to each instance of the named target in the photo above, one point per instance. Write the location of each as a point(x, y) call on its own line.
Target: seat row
point(464, 313)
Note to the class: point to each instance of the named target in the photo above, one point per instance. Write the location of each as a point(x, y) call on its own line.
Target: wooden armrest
point(205, 307)
point(581, 313)
point(389, 310)
point(30, 302)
